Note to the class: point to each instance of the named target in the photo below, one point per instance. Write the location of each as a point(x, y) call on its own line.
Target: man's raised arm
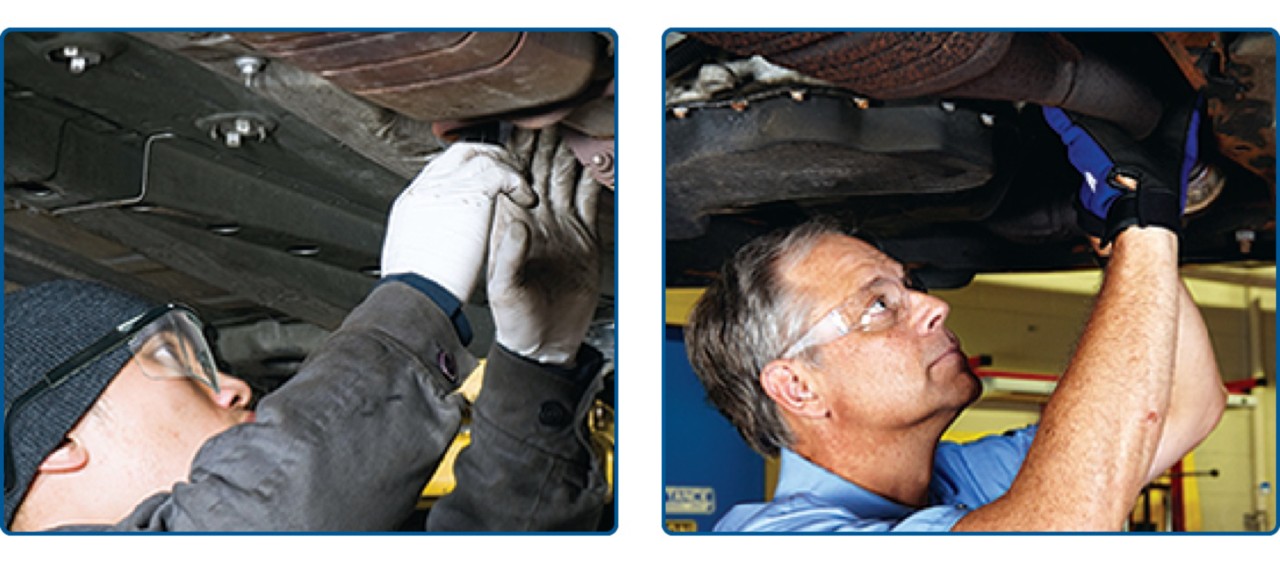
point(1120, 415)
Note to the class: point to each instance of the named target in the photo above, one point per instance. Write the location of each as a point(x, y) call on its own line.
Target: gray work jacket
point(349, 443)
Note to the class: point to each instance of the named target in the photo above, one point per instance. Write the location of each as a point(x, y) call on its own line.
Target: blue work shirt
point(810, 499)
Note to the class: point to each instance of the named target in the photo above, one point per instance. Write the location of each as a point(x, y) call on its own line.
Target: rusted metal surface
point(434, 76)
point(1181, 43)
point(588, 121)
point(1042, 68)
point(344, 51)
point(1236, 73)
point(887, 65)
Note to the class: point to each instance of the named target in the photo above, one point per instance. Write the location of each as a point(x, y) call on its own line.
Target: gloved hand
point(439, 226)
point(544, 263)
point(1127, 183)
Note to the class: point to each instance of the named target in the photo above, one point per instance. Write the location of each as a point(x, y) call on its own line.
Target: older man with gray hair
point(820, 349)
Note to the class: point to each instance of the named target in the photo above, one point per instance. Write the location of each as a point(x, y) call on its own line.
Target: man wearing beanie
point(116, 418)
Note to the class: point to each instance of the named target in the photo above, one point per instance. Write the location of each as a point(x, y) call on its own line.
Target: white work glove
point(439, 226)
point(544, 262)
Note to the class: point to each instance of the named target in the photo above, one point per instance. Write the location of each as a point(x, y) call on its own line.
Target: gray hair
point(746, 318)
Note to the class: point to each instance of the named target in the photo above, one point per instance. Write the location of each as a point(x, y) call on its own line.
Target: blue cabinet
point(707, 467)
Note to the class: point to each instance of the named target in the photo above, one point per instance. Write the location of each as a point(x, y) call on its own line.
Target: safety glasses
point(167, 342)
point(877, 307)
point(172, 346)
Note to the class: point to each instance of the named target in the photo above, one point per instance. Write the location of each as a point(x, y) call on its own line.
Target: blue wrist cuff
point(439, 295)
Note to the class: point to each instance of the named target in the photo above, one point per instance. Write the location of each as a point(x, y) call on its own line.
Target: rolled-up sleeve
point(976, 473)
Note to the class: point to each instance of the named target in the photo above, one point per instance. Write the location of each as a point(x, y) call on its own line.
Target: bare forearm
point(1099, 433)
point(1198, 396)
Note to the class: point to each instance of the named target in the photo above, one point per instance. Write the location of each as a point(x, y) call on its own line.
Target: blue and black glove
point(1103, 153)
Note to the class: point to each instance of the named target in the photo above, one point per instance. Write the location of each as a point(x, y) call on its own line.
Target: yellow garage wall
point(1226, 500)
point(1029, 323)
point(1267, 397)
point(988, 417)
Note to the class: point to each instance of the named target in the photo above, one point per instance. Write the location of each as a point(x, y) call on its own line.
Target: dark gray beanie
point(45, 325)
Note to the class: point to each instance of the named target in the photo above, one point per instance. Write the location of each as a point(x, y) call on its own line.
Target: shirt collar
point(798, 475)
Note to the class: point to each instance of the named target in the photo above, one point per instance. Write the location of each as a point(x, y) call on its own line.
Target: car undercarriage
point(933, 143)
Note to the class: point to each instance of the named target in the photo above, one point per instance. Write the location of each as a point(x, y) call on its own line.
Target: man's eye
point(880, 304)
point(877, 314)
point(165, 352)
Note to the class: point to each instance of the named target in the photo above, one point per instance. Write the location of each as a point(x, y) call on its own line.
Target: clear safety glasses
point(172, 346)
point(877, 307)
point(167, 342)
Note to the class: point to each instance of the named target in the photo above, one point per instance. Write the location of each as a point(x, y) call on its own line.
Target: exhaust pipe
point(1042, 68)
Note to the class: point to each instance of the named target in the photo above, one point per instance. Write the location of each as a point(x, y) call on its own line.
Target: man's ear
point(70, 456)
point(787, 385)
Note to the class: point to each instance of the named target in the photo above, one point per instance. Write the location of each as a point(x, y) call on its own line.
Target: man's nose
point(233, 392)
point(931, 312)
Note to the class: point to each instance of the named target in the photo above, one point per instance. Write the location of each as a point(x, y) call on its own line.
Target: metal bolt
point(602, 162)
point(988, 120)
point(228, 229)
point(1245, 238)
point(304, 250)
point(234, 130)
point(1204, 184)
point(949, 106)
point(76, 63)
point(861, 102)
point(249, 67)
point(36, 191)
point(77, 58)
point(680, 112)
